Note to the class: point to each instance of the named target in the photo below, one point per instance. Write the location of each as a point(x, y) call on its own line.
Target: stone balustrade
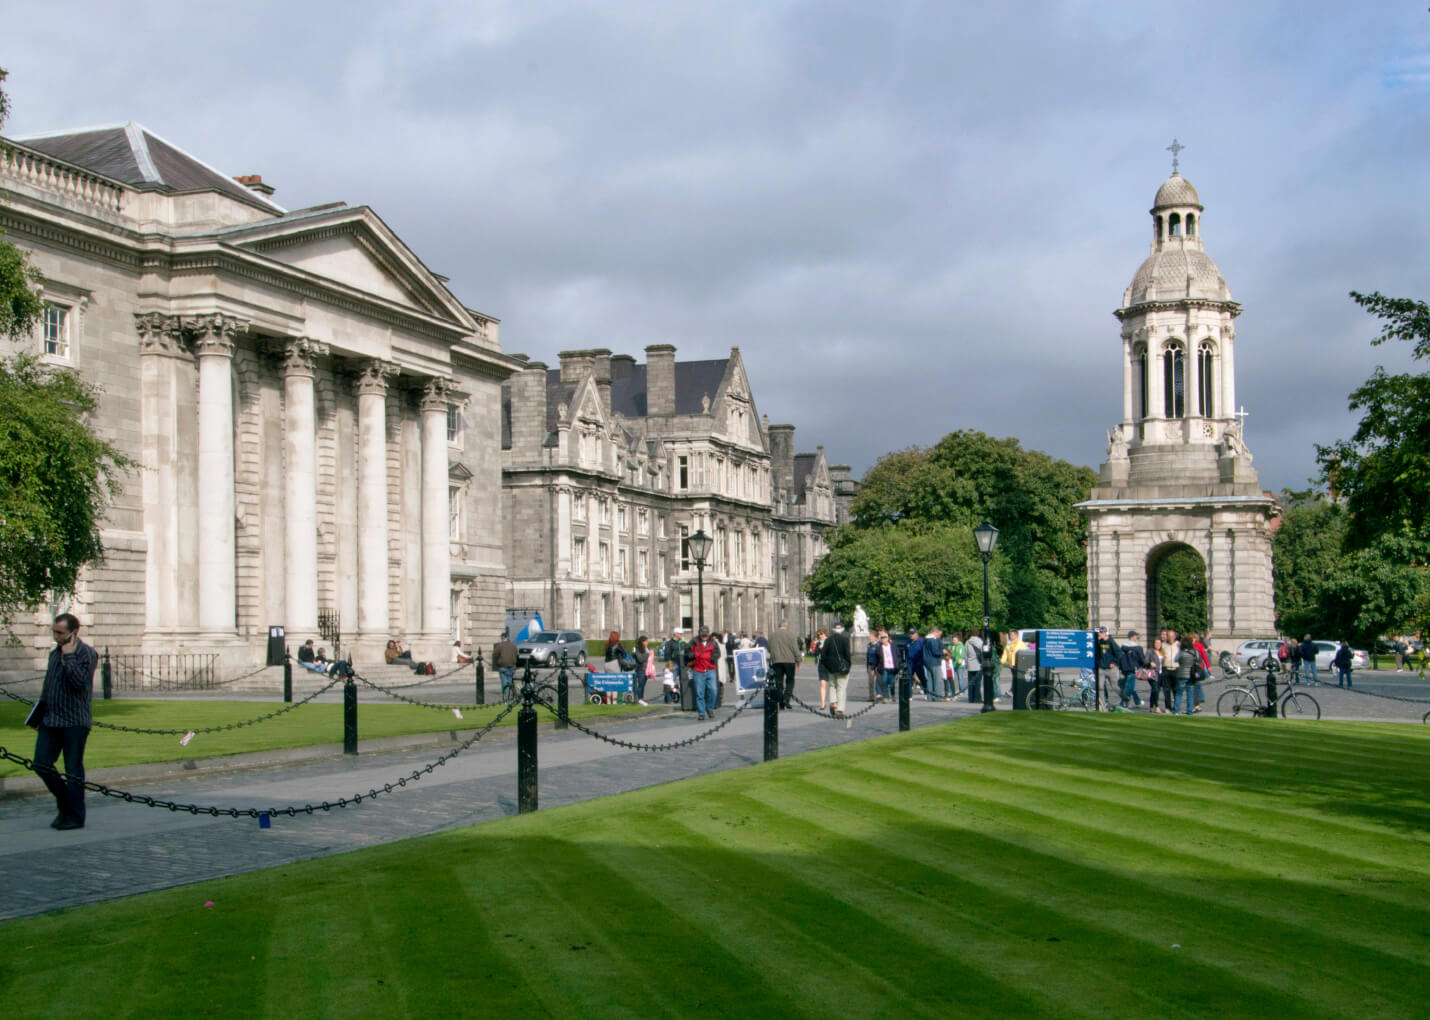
point(52, 175)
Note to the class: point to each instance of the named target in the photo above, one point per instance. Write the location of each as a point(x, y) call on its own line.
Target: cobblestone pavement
point(128, 848)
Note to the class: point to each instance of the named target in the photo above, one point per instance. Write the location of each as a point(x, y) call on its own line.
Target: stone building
point(611, 465)
point(315, 413)
point(1178, 473)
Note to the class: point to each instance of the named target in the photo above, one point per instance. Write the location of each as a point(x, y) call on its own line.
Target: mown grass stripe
point(1208, 932)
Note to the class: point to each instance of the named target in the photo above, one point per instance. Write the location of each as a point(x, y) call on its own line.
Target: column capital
point(373, 377)
point(299, 353)
point(213, 333)
point(159, 333)
point(436, 395)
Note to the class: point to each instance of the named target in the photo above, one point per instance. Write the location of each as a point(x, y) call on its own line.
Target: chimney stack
point(660, 379)
point(782, 458)
point(527, 393)
point(254, 182)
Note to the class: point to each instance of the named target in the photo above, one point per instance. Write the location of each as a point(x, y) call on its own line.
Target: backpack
point(1283, 652)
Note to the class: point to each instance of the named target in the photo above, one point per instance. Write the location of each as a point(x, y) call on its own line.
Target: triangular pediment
point(354, 248)
point(587, 401)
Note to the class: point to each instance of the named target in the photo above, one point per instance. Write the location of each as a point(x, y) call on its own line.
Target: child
point(667, 683)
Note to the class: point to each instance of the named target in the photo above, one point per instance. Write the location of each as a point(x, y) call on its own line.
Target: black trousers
point(49, 742)
point(782, 682)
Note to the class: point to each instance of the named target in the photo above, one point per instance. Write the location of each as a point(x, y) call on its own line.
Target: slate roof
point(803, 469)
point(133, 154)
point(693, 381)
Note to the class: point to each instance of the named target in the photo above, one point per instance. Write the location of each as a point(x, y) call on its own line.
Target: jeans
point(1195, 687)
point(1129, 689)
point(887, 684)
point(934, 687)
point(508, 677)
point(1344, 679)
point(705, 686)
point(782, 682)
point(1310, 667)
point(640, 679)
point(958, 681)
point(49, 742)
point(1181, 689)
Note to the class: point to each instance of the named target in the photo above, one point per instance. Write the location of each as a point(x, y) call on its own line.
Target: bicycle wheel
point(1087, 699)
point(1237, 702)
point(1045, 696)
point(1299, 705)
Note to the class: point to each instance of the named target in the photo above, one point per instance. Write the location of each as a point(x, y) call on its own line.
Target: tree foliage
point(1182, 592)
point(928, 500)
point(1383, 471)
point(20, 305)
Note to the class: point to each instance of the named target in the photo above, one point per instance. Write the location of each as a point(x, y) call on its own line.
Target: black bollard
point(906, 683)
point(1270, 692)
point(481, 680)
point(106, 677)
point(526, 778)
point(772, 720)
point(349, 717)
point(988, 669)
point(563, 696)
point(287, 677)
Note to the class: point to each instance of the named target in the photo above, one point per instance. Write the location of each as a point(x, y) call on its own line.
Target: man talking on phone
point(65, 722)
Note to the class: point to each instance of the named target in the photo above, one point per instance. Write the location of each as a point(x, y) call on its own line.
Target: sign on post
point(751, 667)
point(611, 683)
point(1066, 649)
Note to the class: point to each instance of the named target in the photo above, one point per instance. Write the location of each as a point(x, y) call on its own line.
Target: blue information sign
point(610, 683)
point(1066, 649)
point(751, 667)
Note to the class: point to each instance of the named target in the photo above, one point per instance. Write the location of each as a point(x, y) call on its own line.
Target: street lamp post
point(699, 549)
point(987, 537)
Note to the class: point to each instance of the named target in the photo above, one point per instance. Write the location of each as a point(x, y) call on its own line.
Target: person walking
point(955, 648)
point(1156, 663)
point(835, 661)
point(973, 656)
point(784, 662)
point(819, 669)
point(504, 659)
point(1342, 662)
point(1013, 643)
point(1308, 652)
point(1186, 659)
point(63, 719)
point(701, 657)
point(1130, 659)
point(888, 665)
point(645, 667)
point(615, 653)
point(1402, 649)
point(874, 667)
point(1105, 655)
point(914, 656)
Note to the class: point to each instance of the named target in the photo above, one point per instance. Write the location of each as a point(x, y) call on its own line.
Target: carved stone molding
point(299, 355)
point(435, 395)
point(160, 334)
point(213, 334)
point(373, 378)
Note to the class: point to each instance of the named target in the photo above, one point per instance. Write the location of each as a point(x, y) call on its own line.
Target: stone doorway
point(1176, 590)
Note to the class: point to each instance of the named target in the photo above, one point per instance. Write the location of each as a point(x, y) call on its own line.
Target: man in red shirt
point(703, 659)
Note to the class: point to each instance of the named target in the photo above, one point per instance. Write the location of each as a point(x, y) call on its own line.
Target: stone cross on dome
point(1176, 150)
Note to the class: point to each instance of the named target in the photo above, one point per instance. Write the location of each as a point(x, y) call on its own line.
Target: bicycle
point(1048, 694)
point(1237, 702)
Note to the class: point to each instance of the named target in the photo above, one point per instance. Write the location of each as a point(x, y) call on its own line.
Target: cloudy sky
point(910, 217)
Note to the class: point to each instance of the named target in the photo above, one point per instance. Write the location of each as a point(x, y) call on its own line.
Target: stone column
point(213, 342)
point(371, 388)
point(1128, 379)
point(436, 536)
point(1227, 398)
point(300, 514)
point(161, 343)
point(1157, 379)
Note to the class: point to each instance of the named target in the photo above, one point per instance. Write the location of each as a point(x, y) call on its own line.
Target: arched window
point(1174, 371)
point(1159, 228)
point(1191, 224)
point(1174, 224)
point(1139, 382)
point(1205, 360)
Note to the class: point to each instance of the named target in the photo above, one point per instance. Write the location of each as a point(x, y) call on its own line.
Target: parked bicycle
point(1252, 701)
point(1056, 694)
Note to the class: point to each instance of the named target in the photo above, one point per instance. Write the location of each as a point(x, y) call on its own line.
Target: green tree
point(1305, 552)
point(1041, 560)
point(20, 305)
point(57, 477)
point(1182, 591)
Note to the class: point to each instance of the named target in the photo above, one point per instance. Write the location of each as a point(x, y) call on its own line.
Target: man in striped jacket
point(69, 680)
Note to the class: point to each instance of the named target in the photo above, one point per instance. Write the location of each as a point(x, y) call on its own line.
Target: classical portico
point(1178, 472)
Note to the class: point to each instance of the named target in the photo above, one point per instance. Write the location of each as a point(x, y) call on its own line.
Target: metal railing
point(170, 671)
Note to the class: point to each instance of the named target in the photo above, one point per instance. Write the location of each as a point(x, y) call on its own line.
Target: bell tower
point(1178, 473)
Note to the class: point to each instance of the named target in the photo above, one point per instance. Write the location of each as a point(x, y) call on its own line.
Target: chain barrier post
point(563, 696)
point(287, 676)
point(526, 784)
point(905, 685)
point(106, 676)
point(481, 680)
point(772, 719)
point(349, 716)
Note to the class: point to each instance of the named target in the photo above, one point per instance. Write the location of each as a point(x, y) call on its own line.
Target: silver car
point(1253, 653)
point(546, 648)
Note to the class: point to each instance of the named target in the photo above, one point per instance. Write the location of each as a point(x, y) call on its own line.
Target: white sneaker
point(642, 702)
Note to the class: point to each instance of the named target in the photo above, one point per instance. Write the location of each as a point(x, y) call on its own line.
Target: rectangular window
point(686, 619)
point(684, 547)
point(605, 511)
point(683, 467)
point(605, 560)
point(454, 512)
point(642, 566)
point(578, 556)
point(55, 339)
point(740, 553)
point(643, 522)
point(578, 605)
point(454, 425)
point(660, 572)
point(660, 526)
point(623, 519)
point(578, 508)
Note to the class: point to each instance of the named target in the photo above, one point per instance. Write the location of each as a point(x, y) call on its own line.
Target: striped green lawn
point(1009, 865)
point(304, 726)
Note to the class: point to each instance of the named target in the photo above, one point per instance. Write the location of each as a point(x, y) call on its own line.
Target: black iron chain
point(630, 745)
point(290, 810)
point(391, 692)
point(829, 713)
point(202, 729)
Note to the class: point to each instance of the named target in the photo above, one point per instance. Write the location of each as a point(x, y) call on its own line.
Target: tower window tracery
point(1191, 224)
point(1206, 360)
point(1140, 392)
point(1174, 224)
point(1174, 371)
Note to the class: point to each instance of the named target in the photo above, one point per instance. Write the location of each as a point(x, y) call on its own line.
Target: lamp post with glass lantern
point(987, 537)
point(699, 549)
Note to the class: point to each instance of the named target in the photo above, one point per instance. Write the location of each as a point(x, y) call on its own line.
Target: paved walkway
point(128, 848)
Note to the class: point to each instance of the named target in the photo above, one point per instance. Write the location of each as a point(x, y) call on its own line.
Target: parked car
point(1326, 651)
point(1253, 653)
point(546, 647)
